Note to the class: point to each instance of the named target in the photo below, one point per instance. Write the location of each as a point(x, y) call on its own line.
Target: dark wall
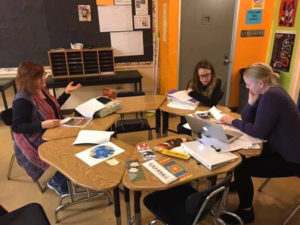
point(28, 29)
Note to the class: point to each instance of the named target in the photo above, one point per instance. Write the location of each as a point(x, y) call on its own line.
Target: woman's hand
point(252, 98)
point(226, 119)
point(50, 123)
point(70, 88)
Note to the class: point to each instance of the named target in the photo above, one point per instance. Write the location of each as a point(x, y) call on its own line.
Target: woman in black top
point(205, 87)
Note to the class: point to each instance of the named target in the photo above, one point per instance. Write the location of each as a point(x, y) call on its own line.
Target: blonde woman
point(271, 115)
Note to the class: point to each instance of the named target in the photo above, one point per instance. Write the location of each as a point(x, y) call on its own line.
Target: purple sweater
point(275, 118)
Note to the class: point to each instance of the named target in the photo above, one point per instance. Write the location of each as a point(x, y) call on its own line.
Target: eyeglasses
point(204, 76)
point(44, 74)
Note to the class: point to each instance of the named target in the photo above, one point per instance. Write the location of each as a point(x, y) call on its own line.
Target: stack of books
point(181, 100)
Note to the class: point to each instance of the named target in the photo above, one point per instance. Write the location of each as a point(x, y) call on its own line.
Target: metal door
point(207, 28)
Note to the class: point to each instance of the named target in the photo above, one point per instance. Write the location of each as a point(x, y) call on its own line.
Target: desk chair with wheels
point(183, 205)
point(32, 214)
point(6, 116)
point(133, 125)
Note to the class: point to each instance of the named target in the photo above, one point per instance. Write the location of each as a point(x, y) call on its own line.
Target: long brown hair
point(196, 84)
point(28, 72)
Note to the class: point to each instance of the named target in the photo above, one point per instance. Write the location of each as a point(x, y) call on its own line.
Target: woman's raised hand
point(71, 87)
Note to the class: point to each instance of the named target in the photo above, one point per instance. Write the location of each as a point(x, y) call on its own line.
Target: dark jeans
point(266, 165)
point(181, 129)
point(60, 179)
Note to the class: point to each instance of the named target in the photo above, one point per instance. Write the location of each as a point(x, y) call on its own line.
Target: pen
point(215, 148)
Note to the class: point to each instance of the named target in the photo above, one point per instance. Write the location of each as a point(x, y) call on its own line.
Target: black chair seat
point(132, 125)
point(171, 202)
point(31, 214)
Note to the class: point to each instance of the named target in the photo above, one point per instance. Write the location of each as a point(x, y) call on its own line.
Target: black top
point(22, 114)
point(213, 99)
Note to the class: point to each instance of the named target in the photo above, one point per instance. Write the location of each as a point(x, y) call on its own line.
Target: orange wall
point(247, 50)
point(251, 49)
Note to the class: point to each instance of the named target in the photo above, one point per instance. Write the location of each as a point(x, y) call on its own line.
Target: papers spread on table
point(207, 155)
point(215, 113)
point(181, 100)
point(89, 107)
point(75, 121)
point(99, 153)
point(92, 137)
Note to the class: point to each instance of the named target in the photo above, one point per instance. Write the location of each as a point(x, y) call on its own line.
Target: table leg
point(4, 99)
point(157, 123)
point(54, 92)
point(137, 208)
point(140, 83)
point(117, 205)
point(127, 201)
point(15, 88)
point(165, 125)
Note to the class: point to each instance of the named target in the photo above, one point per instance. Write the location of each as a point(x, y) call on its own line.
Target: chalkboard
point(30, 28)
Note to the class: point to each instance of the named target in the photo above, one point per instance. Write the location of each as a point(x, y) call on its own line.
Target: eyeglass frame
point(204, 76)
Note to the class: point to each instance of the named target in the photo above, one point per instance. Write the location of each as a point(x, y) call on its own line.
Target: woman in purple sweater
point(271, 115)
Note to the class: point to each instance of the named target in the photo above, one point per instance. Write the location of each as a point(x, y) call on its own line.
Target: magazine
point(75, 121)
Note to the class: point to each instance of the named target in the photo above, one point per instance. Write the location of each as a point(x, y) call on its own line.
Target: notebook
point(211, 129)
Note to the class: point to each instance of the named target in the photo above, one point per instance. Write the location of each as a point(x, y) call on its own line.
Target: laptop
point(211, 129)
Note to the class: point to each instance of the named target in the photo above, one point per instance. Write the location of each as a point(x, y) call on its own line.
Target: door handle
point(226, 59)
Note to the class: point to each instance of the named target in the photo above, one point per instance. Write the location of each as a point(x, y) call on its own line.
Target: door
point(206, 31)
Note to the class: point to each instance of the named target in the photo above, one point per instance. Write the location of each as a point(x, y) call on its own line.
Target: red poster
point(287, 13)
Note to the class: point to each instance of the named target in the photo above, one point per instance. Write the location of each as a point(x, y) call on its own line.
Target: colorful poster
point(258, 4)
point(254, 16)
point(287, 13)
point(282, 51)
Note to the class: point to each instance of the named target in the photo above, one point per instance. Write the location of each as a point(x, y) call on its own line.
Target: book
point(75, 121)
point(99, 153)
point(207, 155)
point(177, 170)
point(181, 100)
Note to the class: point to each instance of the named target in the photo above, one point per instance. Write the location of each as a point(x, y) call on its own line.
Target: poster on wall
point(258, 4)
point(287, 13)
point(282, 50)
point(84, 13)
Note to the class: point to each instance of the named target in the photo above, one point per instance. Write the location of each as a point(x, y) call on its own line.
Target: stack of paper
point(217, 114)
point(181, 100)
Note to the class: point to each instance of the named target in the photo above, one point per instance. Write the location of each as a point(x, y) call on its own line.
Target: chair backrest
point(130, 93)
point(6, 116)
point(203, 202)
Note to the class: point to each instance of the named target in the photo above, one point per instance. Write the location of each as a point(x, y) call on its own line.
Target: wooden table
point(152, 183)
point(66, 132)
point(181, 112)
point(141, 104)
point(4, 84)
point(61, 155)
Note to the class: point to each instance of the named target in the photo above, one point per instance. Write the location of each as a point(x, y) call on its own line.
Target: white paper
point(142, 22)
point(115, 18)
point(141, 7)
point(91, 161)
point(187, 126)
point(92, 137)
point(88, 108)
point(217, 114)
point(127, 43)
point(181, 95)
point(122, 2)
point(177, 105)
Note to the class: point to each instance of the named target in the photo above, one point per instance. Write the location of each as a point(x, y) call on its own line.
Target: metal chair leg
point(291, 215)
point(12, 159)
point(264, 184)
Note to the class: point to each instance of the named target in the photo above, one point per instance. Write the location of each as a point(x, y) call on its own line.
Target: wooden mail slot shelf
point(67, 63)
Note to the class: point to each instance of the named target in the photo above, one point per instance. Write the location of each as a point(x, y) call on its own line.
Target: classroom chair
point(133, 125)
point(184, 205)
point(6, 116)
point(32, 214)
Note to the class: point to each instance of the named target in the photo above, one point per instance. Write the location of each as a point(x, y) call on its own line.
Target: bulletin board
point(30, 28)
